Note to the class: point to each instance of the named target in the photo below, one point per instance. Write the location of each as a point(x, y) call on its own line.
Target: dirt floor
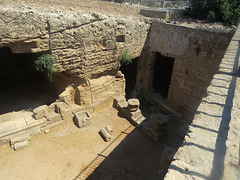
point(66, 151)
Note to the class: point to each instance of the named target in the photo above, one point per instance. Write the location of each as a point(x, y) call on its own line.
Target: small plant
point(211, 17)
point(126, 58)
point(45, 63)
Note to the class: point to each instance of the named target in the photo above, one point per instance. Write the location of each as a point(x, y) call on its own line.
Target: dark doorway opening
point(22, 87)
point(163, 68)
point(130, 73)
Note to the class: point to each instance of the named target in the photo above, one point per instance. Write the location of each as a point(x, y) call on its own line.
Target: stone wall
point(86, 47)
point(197, 56)
point(211, 148)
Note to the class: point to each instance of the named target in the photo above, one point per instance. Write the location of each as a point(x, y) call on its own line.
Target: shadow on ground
point(136, 157)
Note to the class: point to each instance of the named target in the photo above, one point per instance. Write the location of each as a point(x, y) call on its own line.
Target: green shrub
point(225, 11)
point(211, 17)
point(45, 63)
point(126, 58)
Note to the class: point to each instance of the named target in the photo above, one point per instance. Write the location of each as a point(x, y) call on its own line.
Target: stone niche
point(178, 63)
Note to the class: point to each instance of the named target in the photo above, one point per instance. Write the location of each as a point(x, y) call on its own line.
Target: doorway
point(163, 68)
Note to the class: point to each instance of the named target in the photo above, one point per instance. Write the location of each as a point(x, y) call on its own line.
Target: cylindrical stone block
point(109, 129)
point(105, 135)
point(133, 104)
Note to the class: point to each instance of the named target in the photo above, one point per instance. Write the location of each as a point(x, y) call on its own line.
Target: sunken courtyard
point(121, 95)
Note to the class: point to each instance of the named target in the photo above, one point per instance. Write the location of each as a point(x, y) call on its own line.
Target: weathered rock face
point(82, 44)
point(86, 47)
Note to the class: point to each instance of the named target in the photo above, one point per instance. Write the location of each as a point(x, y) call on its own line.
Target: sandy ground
point(66, 151)
point(87, 6)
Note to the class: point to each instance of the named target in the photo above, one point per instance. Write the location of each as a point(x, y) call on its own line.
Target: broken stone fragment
point(76, 108)
point(109, 129)
point(82, 119)
point(54, 117)
point(21, 145)
point(159, 121)
point(120, 103)
point(40, 111)
point(18, 139)
point(65, 97)
point(64, 109)
point(133, 104)
point(105, 135)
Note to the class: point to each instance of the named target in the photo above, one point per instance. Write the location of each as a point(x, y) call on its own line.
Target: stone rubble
point(17, 130)
point(154, 127)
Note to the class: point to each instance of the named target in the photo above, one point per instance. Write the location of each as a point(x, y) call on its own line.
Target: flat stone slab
point(21, 145)
point(18, 139)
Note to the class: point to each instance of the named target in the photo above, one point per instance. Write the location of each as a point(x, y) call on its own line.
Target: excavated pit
point(173, 62)
point(22, 87)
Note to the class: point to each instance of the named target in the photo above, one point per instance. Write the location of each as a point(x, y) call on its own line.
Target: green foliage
point(225, 11)
point(45, 63)
point(211, 17)
point(126, 58)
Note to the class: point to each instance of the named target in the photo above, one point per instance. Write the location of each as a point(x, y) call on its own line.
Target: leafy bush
point(225, 11)
point(126, 58)
point(45, 63)
point(211, 17)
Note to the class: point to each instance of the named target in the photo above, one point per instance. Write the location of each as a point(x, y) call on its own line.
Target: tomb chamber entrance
point(130, 72)
point(162, 73)
point(22, 86)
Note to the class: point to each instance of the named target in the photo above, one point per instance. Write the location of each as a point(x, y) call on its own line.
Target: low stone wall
point(197, 55)
point(211, 147)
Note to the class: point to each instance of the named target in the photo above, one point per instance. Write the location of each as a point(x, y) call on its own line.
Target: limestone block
point(159, 121)
point(35, 131)
point(132, 115)
point(120, 103)
point(133, 104)
point(7, 127)
point(54, 117)
point(82, 119)
point(20, 124)
point(51, 125)
point(65, 97)
point(18, 139)
point(76, 108)
point(40, 111)
point(21, 145)
point(64, 109)
point(33, 122)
